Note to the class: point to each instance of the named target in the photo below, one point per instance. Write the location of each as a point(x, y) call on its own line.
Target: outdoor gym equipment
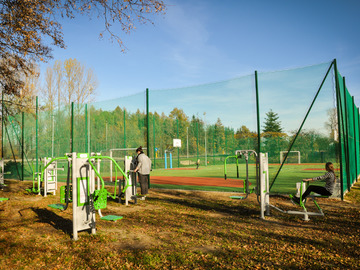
point(130, 193)
point(265, 195)
point(3, 199)
point(81, 190)
point(48, 177)
point(2, 173)
point(246, 154)
point(2, 183)
point(237, 166)
point(119, 150)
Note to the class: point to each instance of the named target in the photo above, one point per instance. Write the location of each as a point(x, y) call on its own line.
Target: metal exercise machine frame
point(265, 204)
point(119, 149)
point(246, 154)
point(85, 197)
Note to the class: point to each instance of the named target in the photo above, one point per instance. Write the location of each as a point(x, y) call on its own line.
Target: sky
point(203, 41)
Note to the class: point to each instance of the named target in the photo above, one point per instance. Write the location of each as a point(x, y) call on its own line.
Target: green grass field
point(285, 181)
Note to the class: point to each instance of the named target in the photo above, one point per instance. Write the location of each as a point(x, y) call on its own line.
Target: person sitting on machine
point(327, 190)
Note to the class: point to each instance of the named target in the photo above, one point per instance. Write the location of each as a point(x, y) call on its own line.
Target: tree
point(27, 27)
point(24, 101)
point(244, 132)
point(179, 114)
point(332, 124)
point(49, 91)
point(29, 91)
point(272, 123)
point(71, 81)
point(79, 82)
point(219, 136)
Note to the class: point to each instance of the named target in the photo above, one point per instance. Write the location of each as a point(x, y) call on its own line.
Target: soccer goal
point(293, 157)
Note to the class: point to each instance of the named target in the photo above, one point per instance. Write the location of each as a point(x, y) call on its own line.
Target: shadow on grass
point(216, 206)
point(58, 222)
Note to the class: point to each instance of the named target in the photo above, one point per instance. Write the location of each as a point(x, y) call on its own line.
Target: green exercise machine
point(238, 155)
point(86, 195)
point(265, 204)
point(45, 181)
point(2, 174)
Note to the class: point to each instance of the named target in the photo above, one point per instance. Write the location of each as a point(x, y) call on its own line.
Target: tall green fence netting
point(319, 122)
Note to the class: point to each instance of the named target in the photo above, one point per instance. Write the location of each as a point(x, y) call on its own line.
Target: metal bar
point(225, 170)
point(355, 141)
point(86, 130)
point(347, 155)
point(72, 129)
point(116, 165)
point(124, 128)
point(339, 114)
point(2, 125)
point(358, 133)
point(197, 141)
point(37, 134)
point(258, 112)
point(22, 144)
point(177, 134)
point(154, 141)
point(147, 123)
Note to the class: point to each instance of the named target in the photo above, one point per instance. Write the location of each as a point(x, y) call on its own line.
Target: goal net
point(292, 157)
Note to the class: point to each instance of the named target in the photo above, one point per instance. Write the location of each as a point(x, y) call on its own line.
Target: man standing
point(143, 169)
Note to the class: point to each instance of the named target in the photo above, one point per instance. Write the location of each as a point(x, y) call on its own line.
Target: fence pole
point(197, 141)
point(37, 134)
point(86, 129)
point(22, 145)
point(358, 134)
point(89, 133)
point(347, 156)
point(154, 142)
point(124, 128)
point(177, 135)
point(257, 112)
point(2, 125)
point(147, 123)
point(72, 129)
point(339, 116)
point(355, 139)
point(226, 150)
point(213, 141)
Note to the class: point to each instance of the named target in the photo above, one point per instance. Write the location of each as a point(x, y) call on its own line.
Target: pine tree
point(272, 123)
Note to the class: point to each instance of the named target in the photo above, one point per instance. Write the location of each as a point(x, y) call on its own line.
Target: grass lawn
point(175, 229)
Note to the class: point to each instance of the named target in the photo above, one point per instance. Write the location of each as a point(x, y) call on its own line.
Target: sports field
point(212, 177)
